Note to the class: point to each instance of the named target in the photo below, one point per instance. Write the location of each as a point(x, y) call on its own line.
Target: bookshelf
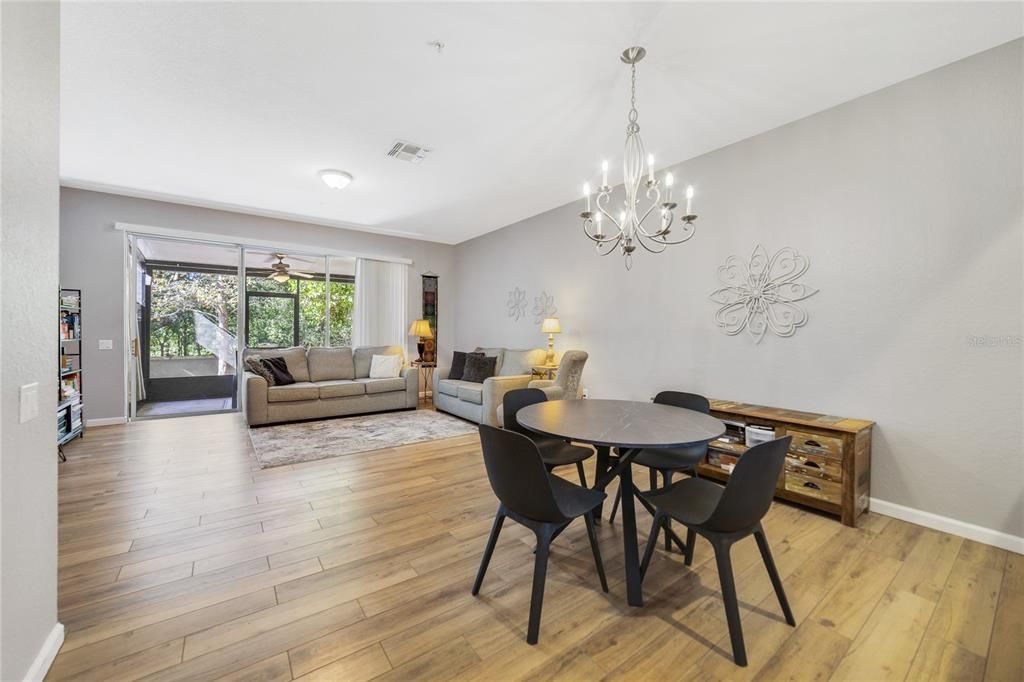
point(70, 422)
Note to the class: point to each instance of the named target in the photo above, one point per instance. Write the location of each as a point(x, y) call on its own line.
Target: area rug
point(309, 441)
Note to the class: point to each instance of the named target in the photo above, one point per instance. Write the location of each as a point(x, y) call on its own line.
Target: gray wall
point(91, 259)
point(29, 35)
point(907, 202)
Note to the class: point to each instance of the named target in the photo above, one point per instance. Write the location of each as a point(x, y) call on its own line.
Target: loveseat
point(478, 402)
point(329, 382)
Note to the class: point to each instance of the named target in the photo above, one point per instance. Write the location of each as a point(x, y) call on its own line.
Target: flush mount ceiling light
point(335, 179)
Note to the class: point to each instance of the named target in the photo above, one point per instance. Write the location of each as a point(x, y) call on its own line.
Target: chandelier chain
point(632, 95)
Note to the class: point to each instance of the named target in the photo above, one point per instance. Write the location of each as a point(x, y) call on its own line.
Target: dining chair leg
point(540, 571)
point(592, 534)
point(773, 573)
point(615, 505)
point(666, 477)
point(499, 518)
point(732, 608)
point(583, 476)
point(652, 541)
point(691, 541)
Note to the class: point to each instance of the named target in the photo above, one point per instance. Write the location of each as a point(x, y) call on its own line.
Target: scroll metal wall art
point(761, 295)
point(516, 304)
point(543, 306)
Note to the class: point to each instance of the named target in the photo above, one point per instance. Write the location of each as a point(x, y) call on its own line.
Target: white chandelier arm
point(643, 242)
point(656, 203)
point(688, 231)
point(611, 248)
point(594, 238)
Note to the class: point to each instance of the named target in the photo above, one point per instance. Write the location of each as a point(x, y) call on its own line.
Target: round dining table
point(629, 426)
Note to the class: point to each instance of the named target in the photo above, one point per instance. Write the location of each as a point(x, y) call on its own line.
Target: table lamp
point(421, 328)
point(551, 327)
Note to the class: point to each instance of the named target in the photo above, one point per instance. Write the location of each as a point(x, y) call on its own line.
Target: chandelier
point(629, 230)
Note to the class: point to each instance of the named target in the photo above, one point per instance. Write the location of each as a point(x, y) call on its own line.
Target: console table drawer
point(815, 466)
point(806, 443)
point(812, 486)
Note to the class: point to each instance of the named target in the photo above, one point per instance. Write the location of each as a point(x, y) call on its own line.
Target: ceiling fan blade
point(303, 275)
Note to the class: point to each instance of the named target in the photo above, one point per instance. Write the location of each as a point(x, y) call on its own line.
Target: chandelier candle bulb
point(586, 193)
point(689, 199)
point(604, 174)
point(668, 184)
point(650, 168)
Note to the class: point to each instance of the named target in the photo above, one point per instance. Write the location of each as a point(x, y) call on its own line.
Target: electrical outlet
point(106, 344)
point(586, 392)
point(29, 402)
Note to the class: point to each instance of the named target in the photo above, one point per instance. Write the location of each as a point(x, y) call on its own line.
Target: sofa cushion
point(383, 385)
point(459, 364)
point(278, 368)
point(471, 393)
point(385, 366)
point(516, 362)
point(340, 388)
point(328, 364)
point(479, 368)
point(451, 386)
point(255, 365)
point(300, 390)
point(493, 353)
point(364, 356)
point(295, 358)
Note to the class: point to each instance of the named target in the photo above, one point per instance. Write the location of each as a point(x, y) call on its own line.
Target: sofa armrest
point(440, 374)
point(551, 389)
point(255, 399)
point(412, 386)
point(494, 392)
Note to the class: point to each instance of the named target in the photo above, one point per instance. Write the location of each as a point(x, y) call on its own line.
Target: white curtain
point(382, 298)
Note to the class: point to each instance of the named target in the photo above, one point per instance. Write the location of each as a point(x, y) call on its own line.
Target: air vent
point(407, 151)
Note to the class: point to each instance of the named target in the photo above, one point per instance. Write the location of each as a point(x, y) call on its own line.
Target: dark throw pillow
point(459, 364)
point(479, 367)
point(254, 365)
point(279, 368)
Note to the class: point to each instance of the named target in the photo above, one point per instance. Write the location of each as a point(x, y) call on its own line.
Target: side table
point(427, 377)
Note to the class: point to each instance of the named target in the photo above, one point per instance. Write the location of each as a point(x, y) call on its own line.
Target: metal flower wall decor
point(543, 306)
point(516, 304)
point(761, 295)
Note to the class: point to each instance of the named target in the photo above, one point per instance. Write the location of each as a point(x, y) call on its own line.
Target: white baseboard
point(970, 531)
point(44, 659)
point(105, 421)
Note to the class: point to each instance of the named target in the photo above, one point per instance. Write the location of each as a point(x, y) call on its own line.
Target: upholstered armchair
point(570, 371)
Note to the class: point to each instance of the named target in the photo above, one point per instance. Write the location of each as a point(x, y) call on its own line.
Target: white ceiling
point(238, 105)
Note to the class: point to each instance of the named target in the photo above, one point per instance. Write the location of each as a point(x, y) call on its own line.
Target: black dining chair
point(555, 452)
point(530, 496)
point(724, 516)
point(667, 461)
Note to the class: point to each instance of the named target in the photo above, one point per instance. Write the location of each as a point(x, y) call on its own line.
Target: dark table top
point(620, 423)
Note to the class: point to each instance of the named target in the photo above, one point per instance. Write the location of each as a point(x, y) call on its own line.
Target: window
point(294, 312)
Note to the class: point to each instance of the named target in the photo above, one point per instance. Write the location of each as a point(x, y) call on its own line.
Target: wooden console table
point(829, 462)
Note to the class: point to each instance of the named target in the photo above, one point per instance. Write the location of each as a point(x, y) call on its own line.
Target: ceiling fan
point(281, 271)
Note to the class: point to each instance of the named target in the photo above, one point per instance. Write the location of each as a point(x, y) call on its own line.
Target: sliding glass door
point(184, 329)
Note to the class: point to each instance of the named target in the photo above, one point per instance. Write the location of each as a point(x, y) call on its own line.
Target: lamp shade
point(551, 326)
point(421, 328)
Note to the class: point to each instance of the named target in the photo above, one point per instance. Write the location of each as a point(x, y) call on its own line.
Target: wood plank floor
point(181, 560)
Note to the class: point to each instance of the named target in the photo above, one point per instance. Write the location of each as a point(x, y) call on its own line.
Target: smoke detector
point(407, 151)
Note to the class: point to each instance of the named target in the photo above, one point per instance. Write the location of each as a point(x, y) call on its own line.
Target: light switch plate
point(29, 402)
point(106, 344)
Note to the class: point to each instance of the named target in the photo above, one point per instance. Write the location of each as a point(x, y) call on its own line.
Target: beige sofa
point(329, 382)
point(479, 402)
